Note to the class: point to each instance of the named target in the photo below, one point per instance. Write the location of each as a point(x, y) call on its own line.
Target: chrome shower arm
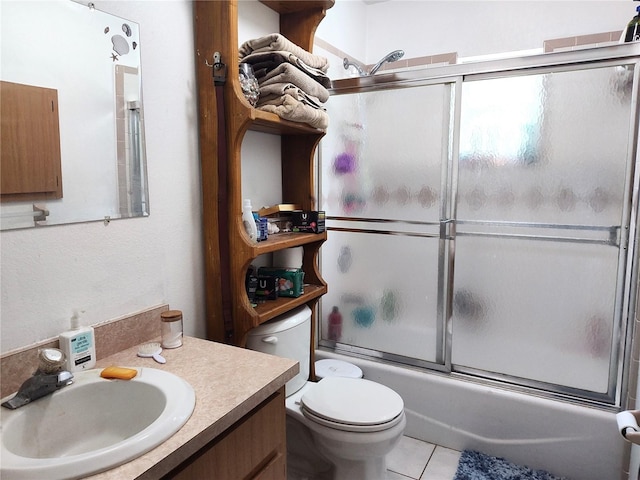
point(390, 57)
point(346, 63)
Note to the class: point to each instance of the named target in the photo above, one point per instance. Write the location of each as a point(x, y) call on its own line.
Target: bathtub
point(577, 442)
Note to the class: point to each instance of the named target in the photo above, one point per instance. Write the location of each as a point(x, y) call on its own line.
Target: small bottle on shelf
point(632, 32)
point(335, 324)
point(248, 221)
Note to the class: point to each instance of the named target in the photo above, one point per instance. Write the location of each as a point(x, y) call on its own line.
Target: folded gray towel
point(273, 91)
point(265, 62)
point(288, 73)
point(277, 42)
point(291, 109)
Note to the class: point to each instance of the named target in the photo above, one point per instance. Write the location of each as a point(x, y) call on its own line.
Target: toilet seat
point(352, 404)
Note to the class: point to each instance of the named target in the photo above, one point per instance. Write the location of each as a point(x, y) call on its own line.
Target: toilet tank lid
point(329, 367)
point(283, 322)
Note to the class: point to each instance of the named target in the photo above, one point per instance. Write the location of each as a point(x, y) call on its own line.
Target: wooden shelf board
point(267, 122)
point(284, 6)
point(273, 308)
point(280, 241)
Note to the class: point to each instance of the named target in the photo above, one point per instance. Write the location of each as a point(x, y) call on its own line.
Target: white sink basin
point(92, 425)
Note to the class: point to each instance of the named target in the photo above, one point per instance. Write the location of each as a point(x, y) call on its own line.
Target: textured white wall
point(111, 271)
point(471, 28)
point(132, 264)
point(474, 28)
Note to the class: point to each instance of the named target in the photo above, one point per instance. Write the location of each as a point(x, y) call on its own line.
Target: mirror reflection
point(86, 64)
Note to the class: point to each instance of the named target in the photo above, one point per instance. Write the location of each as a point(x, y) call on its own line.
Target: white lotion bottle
point(249, 222)
point(78, 345)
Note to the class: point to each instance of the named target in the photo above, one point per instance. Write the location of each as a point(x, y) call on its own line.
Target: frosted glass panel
point(385, 288)
point(383, 160)
point(537, 233)
point(546, 148)
point(536, 310)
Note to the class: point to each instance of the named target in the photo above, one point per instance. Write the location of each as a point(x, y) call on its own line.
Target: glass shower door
point(482, 222)
point(382, 171)
point(542, 219)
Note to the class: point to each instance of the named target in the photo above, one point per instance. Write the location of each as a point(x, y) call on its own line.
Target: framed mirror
point(90, 60)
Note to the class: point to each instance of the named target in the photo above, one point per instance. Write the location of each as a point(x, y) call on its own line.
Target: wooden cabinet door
point(30, 154)
point(253, 449)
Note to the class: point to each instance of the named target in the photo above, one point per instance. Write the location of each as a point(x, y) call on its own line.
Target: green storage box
point(290, 280)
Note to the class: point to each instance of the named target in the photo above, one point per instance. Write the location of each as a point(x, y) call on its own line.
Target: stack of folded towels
point(293, 82)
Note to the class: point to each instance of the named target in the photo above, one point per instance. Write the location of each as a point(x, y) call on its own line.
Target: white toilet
point(340, 428)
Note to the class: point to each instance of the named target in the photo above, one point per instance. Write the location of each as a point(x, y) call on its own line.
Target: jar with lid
point(171, 328)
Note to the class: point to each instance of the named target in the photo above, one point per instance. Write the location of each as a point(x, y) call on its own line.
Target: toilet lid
point(352, 401)
point(330, 367)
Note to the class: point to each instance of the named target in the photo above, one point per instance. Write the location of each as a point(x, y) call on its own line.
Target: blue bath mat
point(478, 466)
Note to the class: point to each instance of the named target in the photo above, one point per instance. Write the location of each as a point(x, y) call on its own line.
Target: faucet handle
point(50, 360)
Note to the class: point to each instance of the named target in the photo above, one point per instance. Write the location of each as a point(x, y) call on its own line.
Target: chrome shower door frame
point(620, 364)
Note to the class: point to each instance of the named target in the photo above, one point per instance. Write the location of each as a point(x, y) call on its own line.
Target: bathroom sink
point(92, 425)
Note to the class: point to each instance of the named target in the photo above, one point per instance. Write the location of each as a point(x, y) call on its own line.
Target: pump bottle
point(78, 345)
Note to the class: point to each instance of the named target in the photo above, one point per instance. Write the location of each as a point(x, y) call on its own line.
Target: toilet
point(341, 427)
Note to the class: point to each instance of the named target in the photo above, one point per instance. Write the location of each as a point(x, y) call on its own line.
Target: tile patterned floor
point(418, 460)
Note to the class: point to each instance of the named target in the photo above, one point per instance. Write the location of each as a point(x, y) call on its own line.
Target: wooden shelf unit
point(216, 30)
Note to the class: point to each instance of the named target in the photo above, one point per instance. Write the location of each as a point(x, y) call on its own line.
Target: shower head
point(390, 57)
point(346, 63)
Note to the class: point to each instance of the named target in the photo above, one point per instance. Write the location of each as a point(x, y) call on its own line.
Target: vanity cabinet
point(216, 30)
point(254, 448)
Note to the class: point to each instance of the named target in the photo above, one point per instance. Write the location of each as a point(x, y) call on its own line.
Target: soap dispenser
point(78, 345)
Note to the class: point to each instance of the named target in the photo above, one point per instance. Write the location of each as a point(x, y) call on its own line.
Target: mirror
point(92, 60)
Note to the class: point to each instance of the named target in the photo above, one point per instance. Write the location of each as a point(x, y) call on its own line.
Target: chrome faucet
point(48, 378)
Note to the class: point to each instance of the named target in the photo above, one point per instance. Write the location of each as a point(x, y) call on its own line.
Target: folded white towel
point(273, 91)
point(277, 42)
point(290, 74)
point(291, 109)
point(264, 62)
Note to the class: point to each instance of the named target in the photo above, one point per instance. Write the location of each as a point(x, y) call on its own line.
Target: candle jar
point(249, 84)
point(171, 328)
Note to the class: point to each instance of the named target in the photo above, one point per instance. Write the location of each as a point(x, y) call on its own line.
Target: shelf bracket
point(219, 70)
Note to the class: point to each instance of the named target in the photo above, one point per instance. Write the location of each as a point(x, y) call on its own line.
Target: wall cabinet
point(30, 156)
point(216, 30)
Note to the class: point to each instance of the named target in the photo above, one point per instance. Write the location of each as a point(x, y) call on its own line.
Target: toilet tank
point(287, 336)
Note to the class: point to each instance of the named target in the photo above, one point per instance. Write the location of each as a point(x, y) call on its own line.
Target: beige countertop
point(229, 382)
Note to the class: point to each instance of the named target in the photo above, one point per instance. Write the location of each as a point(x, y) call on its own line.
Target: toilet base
point(372, 469)
point(363, 460)
point(303, 460)
point(314, 457)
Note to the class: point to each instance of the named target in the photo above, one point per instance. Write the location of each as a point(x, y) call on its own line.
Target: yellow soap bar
point(119, 372)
